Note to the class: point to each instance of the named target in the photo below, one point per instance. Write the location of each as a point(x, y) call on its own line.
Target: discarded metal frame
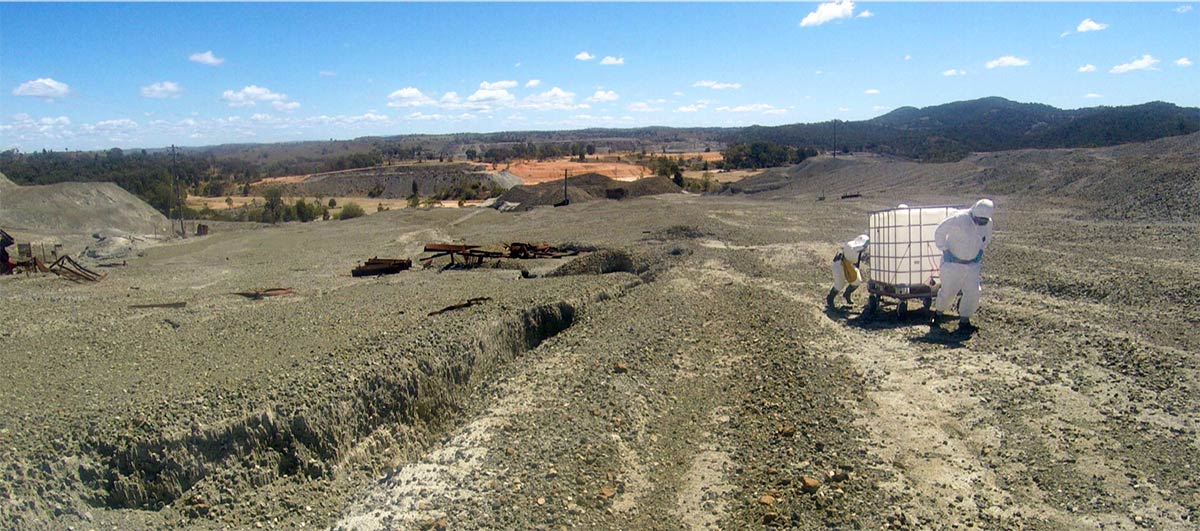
point(381, 266)
point(469, 255)
point(68, 268)
point(465, 304)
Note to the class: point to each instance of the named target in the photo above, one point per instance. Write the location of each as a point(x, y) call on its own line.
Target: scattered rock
point(809, 484)
point(620, 367)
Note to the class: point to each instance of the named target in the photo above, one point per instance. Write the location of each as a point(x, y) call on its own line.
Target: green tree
point(351, 211)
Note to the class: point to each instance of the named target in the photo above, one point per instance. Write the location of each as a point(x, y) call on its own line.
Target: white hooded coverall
point(962, 238)
point(852, 251)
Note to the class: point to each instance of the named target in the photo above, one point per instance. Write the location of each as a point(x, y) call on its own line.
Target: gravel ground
point(686, 375)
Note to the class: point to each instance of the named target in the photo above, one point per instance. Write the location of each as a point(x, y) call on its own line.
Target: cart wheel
point(901, 308)
point(872, 303)
point(927, 304)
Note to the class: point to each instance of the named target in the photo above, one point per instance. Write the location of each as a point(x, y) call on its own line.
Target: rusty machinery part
point(465, 304)
point(263, 293)
point(381, 266)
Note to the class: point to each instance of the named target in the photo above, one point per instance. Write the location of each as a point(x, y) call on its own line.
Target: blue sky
point(94, 76)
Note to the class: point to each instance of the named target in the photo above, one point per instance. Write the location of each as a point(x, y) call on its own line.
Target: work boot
point(939, 317)
point(849, 290)
point(829, 298)
point(965, 324)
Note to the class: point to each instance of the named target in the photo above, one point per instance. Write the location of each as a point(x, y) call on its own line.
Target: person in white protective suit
point(962, 238)
point(845, 268)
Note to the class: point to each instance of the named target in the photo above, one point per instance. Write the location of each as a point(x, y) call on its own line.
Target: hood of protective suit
point(983, 209)
point(859, 243)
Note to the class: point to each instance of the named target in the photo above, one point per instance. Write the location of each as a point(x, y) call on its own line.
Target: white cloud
point(871, 91)
point(954, 72)
point(327, 73)
point(1147, 62)
point(162, 89)
point(908, 58)
point(755, 107)
point(408, 97)
point(829, 11)
point(206, 58)
point(584, 56)
point(499, 85)
point(610, 60)
point(419, 116)
point(1090, 25)
point(250, 95)
point(603, 95)
point(716, 85)
point(775, 111)
point(533, 83)
point(1183, 9)
point(865, 14)
point(488, 97)
point(642, 106)
point(553, 99)
point(42, 88)
point(285, 105)
point(690, 108)
point(1092, 96)
point(449, 99)
point(1006, 61)
point(878, 108)
point(843, 109)
point(1183, 61)
point(1064, 34)
point(1087, 68)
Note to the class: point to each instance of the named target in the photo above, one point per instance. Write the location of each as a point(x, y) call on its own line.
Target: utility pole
point(175, 177)
point(835, 148)
point(566, 200)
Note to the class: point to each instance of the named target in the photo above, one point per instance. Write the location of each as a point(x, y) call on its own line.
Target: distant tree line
point(758, 155)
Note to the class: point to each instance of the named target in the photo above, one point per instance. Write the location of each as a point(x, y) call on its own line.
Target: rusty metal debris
point(381, 266)
point(262, 293)
point(467, 303)
point(474, 255)
point(160, 305)
point(69, 269)
point(460, 255)
point(532, 250)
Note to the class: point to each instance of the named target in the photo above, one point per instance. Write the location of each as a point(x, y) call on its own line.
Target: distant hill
point(582, 188)
point(951, 131)
point(1156, 180)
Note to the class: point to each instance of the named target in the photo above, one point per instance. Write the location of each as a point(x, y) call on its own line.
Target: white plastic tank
point(903, 254)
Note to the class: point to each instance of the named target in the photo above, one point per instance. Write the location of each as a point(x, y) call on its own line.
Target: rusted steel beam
point(381, 266)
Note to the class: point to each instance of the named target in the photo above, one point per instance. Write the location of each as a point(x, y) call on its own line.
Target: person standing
point(845, 268)
point(962, 238)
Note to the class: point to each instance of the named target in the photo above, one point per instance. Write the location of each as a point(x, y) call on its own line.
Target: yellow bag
point(849, 270)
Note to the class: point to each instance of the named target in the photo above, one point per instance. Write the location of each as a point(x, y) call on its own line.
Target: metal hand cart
point(905, 263)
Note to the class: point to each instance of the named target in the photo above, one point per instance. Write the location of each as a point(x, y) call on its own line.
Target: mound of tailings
point(582, 188)
point(69, 210)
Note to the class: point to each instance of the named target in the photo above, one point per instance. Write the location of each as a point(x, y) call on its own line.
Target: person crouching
point(845, 268)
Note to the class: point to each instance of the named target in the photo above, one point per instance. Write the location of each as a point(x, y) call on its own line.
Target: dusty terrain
point(685, 375)
point(535, 171)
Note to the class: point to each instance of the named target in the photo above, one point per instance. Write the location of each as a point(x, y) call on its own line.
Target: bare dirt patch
point(534, 172)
